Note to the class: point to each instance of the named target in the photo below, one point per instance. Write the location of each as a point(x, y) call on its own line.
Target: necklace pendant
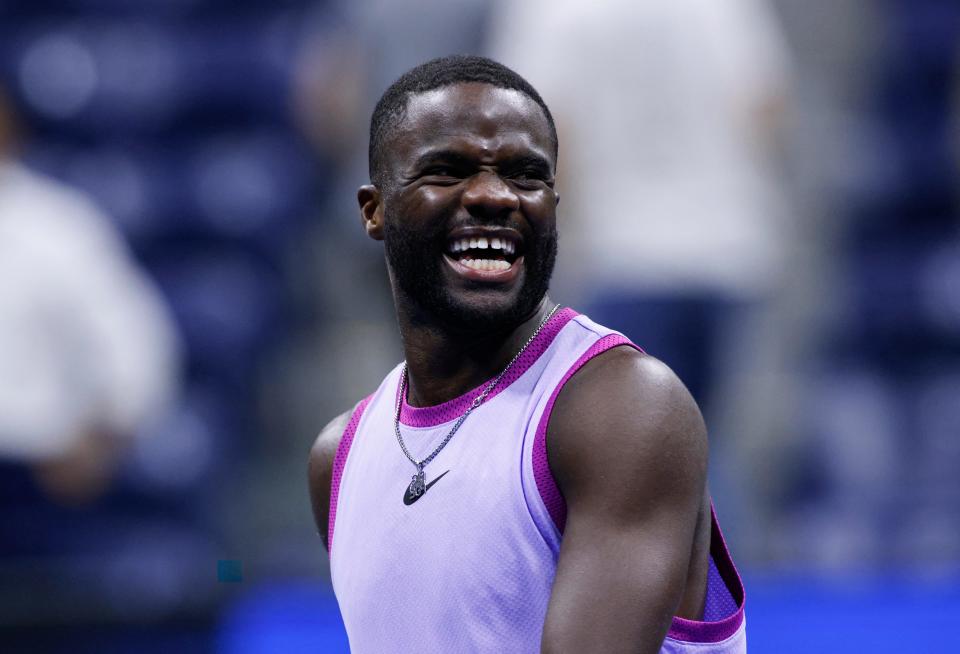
point(417, 485)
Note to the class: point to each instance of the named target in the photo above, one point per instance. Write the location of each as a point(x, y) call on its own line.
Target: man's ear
point(371, 210)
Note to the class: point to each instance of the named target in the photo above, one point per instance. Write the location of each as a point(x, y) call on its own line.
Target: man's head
point(391, 109)
point(462, 158)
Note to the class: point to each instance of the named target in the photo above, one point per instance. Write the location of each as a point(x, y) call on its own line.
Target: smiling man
point(527, 480)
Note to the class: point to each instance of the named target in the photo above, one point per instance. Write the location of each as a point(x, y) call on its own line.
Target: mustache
point(505, 221)
point(439, 233)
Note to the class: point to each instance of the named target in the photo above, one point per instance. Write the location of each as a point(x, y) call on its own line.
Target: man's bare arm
point(628, 449)
point(320, 471)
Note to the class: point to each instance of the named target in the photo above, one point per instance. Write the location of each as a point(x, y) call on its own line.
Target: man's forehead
point(470, 97)
point(473, 108)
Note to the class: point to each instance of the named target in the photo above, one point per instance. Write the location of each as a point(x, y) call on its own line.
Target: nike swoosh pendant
point(417, 488)
point(409, 497)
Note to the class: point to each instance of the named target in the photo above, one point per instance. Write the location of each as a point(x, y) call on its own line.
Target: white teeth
point(482, 243)
point(486, 264)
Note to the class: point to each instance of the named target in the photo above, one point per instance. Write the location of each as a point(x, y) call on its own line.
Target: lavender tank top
point(469, 566)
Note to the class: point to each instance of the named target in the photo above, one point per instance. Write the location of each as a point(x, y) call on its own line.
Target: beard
point(415, 260)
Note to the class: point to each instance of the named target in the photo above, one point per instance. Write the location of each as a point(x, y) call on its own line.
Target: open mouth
point(491, 252)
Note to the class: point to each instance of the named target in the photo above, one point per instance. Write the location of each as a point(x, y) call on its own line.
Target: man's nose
point(487, 194)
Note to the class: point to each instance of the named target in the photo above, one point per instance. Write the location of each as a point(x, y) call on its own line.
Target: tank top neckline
point(438, 414)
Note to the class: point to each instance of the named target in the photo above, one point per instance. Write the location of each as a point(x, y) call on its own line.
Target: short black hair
point(434, 74)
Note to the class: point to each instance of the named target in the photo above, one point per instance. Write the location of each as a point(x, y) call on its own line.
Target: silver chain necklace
point(417, 483)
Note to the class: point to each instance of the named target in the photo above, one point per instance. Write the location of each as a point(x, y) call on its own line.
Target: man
point(528, 480)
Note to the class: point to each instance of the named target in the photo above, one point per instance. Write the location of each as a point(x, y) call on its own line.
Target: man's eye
point(528, 177)
point(530, 173)
point(441, 171)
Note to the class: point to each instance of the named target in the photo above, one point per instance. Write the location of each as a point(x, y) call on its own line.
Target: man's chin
point(489, 308)
point(482, 314)
point(443, 297)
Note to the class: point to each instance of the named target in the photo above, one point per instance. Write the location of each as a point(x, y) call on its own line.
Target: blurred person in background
point(88, 350)
point(670, 112)
point(676, 230)
point(168, 117)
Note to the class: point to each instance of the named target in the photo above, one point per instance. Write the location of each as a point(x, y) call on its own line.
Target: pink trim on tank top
point(339, 461)
point(697, 631)
point(431, 416)
point(549, 492)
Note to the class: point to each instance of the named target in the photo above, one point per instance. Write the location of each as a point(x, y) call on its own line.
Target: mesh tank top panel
point(469, 566)
point(464, 568)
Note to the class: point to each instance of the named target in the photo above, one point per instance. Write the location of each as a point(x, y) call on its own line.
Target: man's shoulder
point(320, 468)
point(326, 444)
point(622, 414)
point(624, 377)
point(328, 440)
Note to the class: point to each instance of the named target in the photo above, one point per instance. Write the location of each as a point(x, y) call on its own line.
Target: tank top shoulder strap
point(581, 341)
point(346, 441)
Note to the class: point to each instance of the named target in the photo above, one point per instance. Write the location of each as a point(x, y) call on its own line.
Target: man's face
point(470, 210)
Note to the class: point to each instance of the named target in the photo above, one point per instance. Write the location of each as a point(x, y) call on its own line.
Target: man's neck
point(443, 364)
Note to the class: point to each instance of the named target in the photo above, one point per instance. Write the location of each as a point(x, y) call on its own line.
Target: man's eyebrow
point(461, 160)
point(529, 161)
point(437, 156)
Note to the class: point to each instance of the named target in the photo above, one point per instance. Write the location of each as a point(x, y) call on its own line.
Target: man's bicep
point(617, 586)
point(320, 471)
point(628, 449)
